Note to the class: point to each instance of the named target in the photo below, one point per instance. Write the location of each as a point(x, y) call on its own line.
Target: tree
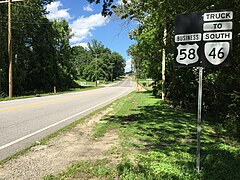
point(221, 86)
point(98, 62)
point(80, 58)
point(107, 5)
point(66, 72)
point(40, 49)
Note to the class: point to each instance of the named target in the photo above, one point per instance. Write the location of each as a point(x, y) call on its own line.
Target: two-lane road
point(22, 122)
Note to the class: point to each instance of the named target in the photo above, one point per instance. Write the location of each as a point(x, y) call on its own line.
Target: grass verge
point(102, 127)
point(86, 170)
point(159, 142)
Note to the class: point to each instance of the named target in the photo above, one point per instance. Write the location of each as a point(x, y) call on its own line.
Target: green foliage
point(107, 6)
point(41, 50)
point(42, 56)
point(220, 86)
point(97, 62)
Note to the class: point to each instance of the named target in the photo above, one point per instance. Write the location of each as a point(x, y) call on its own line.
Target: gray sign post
point(199, 117)
point(203, 40)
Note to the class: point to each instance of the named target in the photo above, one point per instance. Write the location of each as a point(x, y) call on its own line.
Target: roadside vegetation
point(158, 142)
point(43, 57)
point(221, 86)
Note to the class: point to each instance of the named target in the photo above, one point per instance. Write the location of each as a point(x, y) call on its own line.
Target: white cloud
point(56, 13)
point(90, 22)
point(88, 8)
point(128, 65)
point(84, 45)
point(83, 26)
point(79, 35)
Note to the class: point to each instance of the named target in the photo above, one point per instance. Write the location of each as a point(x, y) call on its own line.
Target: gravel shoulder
point(61, 151)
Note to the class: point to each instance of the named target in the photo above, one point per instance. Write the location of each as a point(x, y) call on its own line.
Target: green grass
point(86, 170)
point(170, 141)
point(159, 142)
point(102, 127)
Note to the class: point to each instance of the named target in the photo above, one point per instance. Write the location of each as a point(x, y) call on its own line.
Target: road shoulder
point(61, 151)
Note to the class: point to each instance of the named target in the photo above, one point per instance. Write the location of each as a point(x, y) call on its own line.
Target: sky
point(87, 23)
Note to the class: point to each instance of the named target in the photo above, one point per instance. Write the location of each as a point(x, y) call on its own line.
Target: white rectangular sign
point(217, 36)
point(188, 37)
point(218, 16)
point(216, 26)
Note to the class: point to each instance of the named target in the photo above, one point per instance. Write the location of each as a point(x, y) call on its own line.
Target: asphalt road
point(25, 121)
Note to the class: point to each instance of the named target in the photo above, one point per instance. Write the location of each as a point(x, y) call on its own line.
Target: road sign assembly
point(203, 40)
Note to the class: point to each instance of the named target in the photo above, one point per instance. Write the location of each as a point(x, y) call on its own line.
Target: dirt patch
point(60, 152)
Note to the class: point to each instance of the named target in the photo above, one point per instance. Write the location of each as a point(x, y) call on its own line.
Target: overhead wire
point(28, 22)
point(21, 5)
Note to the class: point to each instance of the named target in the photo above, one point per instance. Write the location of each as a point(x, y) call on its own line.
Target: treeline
point(42, 55)
point(97, 62)
point(221, 86)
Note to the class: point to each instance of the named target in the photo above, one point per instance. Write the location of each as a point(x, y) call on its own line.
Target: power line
point(21, 5)
point(29, 22)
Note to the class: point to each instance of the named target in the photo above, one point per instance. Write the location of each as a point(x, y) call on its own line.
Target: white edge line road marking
point(59, 122)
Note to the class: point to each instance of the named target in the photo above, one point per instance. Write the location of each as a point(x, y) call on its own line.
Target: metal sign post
point(199, 117)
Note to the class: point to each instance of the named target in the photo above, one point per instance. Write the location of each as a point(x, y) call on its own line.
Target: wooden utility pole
point(164, 62)
point(10, 80)
point(96, 69)
point(0, 47)
point(112, 67)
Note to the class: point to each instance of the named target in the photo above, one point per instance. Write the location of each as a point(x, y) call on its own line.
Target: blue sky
point(87, 24)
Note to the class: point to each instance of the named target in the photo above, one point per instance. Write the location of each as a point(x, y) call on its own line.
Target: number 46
point(219, 54)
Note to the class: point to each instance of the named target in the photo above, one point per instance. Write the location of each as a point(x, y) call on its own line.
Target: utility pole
point(112, 66)
point(164, 62)
point(112, 75)
point(10, 79)
point(10, 50)
point(0, 52)
point(96, 68)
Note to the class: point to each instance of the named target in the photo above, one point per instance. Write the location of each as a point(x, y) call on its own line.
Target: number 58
point(190, 54)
